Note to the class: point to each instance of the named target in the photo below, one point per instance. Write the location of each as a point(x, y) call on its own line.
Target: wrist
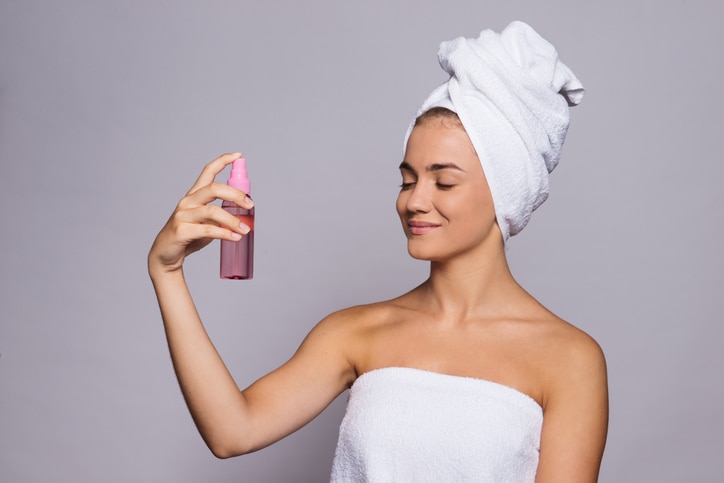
point(158, 271)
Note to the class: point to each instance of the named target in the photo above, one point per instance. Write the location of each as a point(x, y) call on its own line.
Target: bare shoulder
point(571, 344)
point(359, 332)
point(570, 358)
point(362, 317)
point(577, 348)
point(575, 404)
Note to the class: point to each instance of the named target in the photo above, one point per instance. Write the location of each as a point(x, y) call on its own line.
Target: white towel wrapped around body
point(411, 425)
point(511, 93)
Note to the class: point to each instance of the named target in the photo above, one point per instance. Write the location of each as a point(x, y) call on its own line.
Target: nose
point(419, 199)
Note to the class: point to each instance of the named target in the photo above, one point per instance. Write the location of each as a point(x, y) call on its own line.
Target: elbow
point(224, 452)
point(226, 442)
point(225, 449)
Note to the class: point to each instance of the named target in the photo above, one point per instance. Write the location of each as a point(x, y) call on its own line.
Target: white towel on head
point(511, 93)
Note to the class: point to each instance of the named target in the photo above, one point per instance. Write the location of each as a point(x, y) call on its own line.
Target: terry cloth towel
point(512, 94)
point(410, 425)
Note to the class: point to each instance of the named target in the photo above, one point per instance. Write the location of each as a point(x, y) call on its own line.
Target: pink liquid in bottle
point(237, 257)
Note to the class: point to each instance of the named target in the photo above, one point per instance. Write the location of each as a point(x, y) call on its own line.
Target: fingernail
point(249, 201)
point(244, 228)
point(235, 235)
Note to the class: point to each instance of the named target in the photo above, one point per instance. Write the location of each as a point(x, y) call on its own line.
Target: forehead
point(435, 146)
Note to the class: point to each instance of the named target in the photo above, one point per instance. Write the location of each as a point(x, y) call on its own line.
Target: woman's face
point(444, 203)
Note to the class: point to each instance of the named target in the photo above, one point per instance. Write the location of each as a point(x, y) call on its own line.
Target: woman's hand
point(195, 222)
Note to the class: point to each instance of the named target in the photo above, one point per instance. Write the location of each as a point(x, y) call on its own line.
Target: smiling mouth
point(420, 228)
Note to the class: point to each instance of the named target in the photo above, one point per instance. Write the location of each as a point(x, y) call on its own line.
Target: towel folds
point(511, 93)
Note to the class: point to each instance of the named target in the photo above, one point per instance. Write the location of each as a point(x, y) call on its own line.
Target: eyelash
point(405, 186)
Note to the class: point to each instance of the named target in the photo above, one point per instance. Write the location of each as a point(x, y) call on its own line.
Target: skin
point(469, 318)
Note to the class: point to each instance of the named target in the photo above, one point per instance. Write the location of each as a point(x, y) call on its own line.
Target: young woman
point(464, 378)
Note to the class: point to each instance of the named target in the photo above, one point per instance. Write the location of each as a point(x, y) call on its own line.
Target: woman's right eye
point(405, 186)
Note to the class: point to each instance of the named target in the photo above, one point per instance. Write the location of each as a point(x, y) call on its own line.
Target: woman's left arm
point(575, 419)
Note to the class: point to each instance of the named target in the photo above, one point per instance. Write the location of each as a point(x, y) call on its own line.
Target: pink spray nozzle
point(238, 178)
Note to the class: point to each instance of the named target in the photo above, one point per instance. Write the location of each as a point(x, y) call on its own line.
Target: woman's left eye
point(444, 186)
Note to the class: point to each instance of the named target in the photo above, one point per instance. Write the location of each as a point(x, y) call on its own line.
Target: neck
point(478, 283)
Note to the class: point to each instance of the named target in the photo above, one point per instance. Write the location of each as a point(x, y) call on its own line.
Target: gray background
point(108, 110)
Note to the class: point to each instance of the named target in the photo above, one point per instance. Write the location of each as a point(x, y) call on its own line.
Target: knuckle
point(209, 231)
point(208, 211)
point(182, 205)
point(176, 218)
point(178, 230)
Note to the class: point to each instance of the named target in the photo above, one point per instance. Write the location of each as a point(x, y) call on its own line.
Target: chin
point(426, 254)
point(418, 256)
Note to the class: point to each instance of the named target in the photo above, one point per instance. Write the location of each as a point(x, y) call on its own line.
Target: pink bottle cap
point(239, 178)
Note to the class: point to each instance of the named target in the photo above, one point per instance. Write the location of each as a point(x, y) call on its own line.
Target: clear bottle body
point(237, 258)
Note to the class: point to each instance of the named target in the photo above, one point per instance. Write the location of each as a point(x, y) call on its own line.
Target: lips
point(421, 227)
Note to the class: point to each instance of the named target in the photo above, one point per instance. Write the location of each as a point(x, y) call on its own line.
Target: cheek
point(472, 213)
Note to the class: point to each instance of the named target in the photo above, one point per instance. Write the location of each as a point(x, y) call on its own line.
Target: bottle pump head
point(238, 178)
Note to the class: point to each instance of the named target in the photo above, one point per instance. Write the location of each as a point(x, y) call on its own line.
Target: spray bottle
point(237, 257)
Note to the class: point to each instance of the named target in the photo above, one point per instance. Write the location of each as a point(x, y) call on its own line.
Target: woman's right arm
point(231, 421)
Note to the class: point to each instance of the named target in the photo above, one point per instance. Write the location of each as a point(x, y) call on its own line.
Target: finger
point(208, 174)
point(211, 215)
point(214, 191)
point(195, 233)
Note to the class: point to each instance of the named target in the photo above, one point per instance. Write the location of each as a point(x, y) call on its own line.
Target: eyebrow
point(432, 167)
